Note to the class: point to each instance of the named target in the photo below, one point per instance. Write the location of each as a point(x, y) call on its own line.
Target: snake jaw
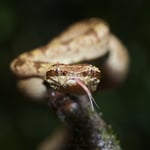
point(77, 81)
point(73, 83)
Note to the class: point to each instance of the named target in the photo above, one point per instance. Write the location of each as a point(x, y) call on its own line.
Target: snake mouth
point(77, 82)
point(74, 86)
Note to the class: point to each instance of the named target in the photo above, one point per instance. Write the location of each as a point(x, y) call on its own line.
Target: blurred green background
point(26, 24)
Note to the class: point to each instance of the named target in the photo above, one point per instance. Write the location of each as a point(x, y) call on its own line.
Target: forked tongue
point(85, 88)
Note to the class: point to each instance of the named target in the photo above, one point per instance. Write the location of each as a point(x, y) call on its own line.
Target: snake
point(65, 62)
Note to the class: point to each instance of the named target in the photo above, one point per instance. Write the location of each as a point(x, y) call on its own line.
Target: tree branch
point(86, 128)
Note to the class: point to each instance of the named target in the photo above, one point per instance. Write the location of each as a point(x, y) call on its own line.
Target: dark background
point(26, 24)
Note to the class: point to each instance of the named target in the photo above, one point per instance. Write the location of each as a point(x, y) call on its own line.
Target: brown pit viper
point(61, 62)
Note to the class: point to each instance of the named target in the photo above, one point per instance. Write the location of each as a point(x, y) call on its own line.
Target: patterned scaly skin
point(81, 42)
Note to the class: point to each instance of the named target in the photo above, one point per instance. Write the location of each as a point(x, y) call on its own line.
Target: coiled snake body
point(58, 62)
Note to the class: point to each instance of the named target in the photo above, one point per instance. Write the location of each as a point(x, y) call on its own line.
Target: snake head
point(64, 77)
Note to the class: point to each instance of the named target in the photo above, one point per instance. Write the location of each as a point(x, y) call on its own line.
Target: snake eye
point(90, 71)
point(94, 73)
